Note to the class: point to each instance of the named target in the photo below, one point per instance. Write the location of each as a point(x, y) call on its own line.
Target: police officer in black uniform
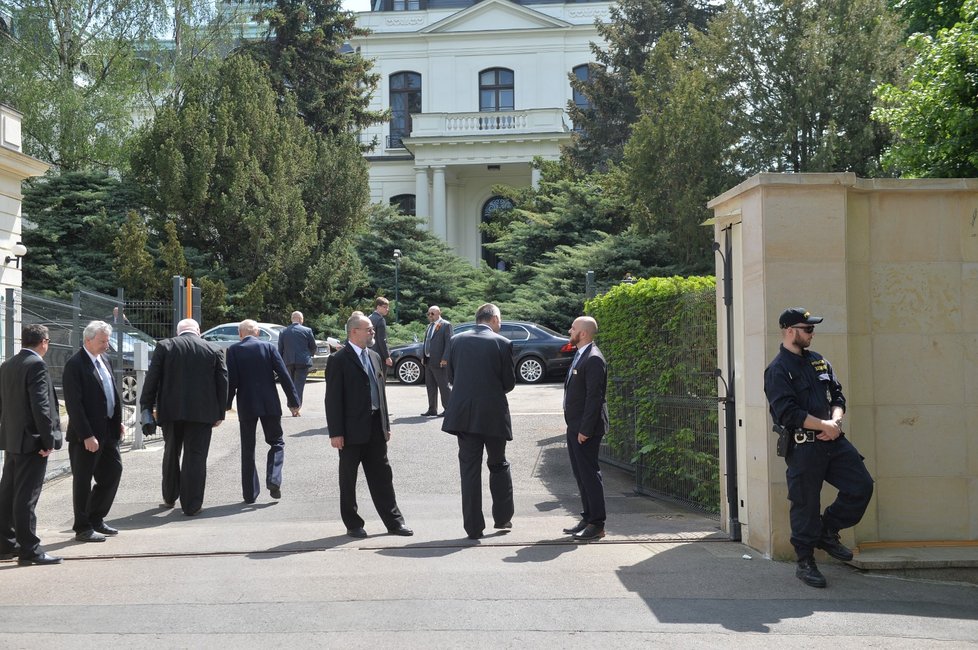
point(807, 406)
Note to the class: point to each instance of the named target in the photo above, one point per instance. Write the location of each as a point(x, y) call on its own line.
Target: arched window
point(405, 89)
point(489, 208)
point(496, 91)
point(583, 73)
point(405, 203)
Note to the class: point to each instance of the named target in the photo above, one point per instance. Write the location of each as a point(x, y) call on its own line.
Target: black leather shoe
point(9, 555)
point(89, 536)
point(194, 513)
point(474, 535)
point(40, 559)
point(590, 533)
point(428, 414)
point(808, 573)
point(830, 543)
point(359, 533)
point(105, 529)
point(168, 504)
point(503, 526)
point(403, 531)
point(275, 491)
point(581, 525)
point(440, 415)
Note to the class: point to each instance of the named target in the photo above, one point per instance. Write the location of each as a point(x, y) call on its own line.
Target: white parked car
point(226, 334)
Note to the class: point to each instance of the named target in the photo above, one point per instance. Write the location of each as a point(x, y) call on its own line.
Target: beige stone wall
point(892, 265)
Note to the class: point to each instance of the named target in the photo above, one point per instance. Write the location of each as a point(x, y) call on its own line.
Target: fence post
point(140, 363)
point(590, 291)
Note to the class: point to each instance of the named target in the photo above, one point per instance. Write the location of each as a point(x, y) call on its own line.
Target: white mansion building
point(476, 90)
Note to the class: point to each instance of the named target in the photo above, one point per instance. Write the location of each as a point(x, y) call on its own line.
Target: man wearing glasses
point(359, 428)
point(435, 350)
point(807, 406)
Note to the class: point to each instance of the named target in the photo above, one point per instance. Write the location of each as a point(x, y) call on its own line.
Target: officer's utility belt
point(802, 436)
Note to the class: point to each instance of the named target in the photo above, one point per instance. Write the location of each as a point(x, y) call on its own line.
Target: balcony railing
point(536, 120)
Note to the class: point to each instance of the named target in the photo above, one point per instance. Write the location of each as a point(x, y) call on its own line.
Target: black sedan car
point(539, 353)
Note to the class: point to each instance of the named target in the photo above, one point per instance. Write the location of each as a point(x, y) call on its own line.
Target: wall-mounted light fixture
point(18, 250)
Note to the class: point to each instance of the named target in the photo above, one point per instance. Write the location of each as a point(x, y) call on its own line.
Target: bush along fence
point(659, 337)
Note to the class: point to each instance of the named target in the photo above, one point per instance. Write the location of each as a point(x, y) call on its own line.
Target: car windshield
point(548, 330)
point(130, 338)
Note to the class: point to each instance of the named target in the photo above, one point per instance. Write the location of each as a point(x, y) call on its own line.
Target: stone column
point(439, 211)
point(421, 207)
point(535, 175)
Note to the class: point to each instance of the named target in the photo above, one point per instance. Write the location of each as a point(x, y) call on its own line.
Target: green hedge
point(659, 337)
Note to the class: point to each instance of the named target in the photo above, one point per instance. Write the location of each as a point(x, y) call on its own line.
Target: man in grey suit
point(359, 427)
point(187, 383)
point(297, 345)
point(482, 371)
point(378, 319)
point(28, 416)
point(254, 369)
point(586, 415)
point(435, 359)
point(94, 432)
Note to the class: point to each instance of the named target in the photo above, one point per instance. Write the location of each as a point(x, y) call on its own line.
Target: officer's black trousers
point(838, 464)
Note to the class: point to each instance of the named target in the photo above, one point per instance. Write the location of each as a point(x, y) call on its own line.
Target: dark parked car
point(226, 335)
point(539, 353)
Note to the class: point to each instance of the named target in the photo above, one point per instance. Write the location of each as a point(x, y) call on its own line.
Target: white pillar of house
point(421, 207)
point(439, 211)
point(535, 175)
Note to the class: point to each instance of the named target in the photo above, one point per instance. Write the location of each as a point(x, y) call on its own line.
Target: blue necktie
point(374, 390)
point(106, 386)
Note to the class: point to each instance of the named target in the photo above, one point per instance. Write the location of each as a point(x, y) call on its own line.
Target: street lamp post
point(397, 267)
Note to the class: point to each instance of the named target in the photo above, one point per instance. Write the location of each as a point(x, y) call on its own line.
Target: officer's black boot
point(829, 542)
point(808, 573)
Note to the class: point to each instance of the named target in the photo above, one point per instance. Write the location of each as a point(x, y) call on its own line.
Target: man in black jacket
point(28, 414)
point(359, 427)
point(586, 415)
point(94, 432)
point(382, 307)
point(806, 400)
point(187, 383)
point(480, 365)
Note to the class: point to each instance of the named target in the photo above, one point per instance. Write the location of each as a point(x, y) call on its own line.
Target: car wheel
point(129, 389)
point(530, 370)
point(409, 371)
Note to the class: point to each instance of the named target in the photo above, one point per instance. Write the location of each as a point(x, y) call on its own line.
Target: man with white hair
point(187, 384)
point(254, 367)
point(94, 432)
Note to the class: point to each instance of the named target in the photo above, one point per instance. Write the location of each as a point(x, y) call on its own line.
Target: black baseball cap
point(797, 316)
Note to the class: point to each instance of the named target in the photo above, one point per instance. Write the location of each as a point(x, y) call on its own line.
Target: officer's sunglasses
point(808, 329)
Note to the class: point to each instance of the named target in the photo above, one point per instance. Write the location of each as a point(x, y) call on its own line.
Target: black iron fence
point(665, 422)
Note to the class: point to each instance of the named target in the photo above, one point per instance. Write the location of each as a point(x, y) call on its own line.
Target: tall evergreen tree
point(635, 26)
point(307, 55)
point(231, 164)
point(76, 217)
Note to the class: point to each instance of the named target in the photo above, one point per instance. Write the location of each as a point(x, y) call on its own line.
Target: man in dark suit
point(94, 432)
point(482, 371)
point(27, 418)
point(359, 427)
point(187, 383)
point(297, 345)
point(378, 319)
point(586, 415)
point(254, 367)
point(435, 359)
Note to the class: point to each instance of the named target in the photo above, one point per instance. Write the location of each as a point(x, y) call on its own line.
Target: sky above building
point(356, 5)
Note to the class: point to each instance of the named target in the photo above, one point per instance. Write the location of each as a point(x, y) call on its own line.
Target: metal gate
point(671, 412)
